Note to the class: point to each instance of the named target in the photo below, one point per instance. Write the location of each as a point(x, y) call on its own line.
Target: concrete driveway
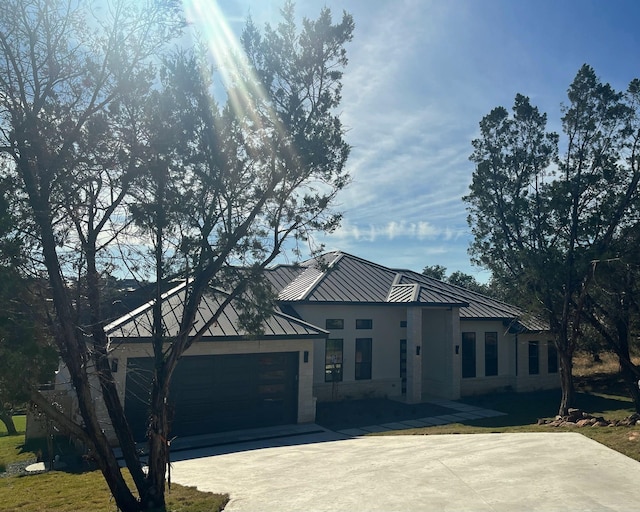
point(481, 472)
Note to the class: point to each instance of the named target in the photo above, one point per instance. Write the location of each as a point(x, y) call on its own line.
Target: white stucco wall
point(509, 378)
point(482, 383)
point(385, 334)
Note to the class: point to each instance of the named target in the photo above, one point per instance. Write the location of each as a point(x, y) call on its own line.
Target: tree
point(123, 160)
point(436, 271)
point(539, 220)
point(457, 278)
point(23, 342)
point(612, 308)
point(469, 282)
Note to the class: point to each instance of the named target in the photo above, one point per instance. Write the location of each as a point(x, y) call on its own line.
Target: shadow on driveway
point(375, 411)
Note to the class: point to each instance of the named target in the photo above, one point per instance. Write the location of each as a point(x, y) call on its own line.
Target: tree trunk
point(5, 417)
point(153, 496)
point(628, 370)
point(73, 349)
point(631, 381)
point(566, 381)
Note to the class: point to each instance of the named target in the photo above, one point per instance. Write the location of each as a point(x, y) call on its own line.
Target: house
point(401, 334)
point(343, 328)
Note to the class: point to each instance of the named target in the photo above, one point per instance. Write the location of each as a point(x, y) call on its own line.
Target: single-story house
point(343, 328)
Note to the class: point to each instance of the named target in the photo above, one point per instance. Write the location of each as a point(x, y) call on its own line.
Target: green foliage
point(458, 278)
point(27, 358)
point(436, 271)
point(541, 220)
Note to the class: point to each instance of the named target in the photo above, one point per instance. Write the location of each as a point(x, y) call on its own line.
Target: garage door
point(218, 393)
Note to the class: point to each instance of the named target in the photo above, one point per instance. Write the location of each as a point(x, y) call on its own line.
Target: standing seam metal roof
point(138, 323)
point(343, 278)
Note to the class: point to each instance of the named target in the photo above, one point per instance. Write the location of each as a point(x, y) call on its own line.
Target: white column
point(453, 353)
point(414, 355)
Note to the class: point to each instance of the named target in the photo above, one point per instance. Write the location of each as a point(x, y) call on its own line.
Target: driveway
point(480, 472)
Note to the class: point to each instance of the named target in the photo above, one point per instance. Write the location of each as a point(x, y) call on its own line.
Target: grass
point(59, 491)
point(11, 446)
point(56, 491)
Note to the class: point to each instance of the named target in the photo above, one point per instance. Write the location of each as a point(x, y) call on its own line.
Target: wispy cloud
point(394, 230)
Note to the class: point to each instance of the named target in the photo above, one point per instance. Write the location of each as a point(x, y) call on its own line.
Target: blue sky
point(421, 75)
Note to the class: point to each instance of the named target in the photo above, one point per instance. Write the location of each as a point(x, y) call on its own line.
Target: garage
point(217, 393)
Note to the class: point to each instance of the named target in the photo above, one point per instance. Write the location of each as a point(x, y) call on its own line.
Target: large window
point(364, 323)
point(534, 358)
point(468, 354)
point(363, 358)
point(333, 361)
point(490, 353)
point(552, 357)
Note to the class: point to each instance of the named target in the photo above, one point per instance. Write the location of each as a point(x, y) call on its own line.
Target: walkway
point(455, 412)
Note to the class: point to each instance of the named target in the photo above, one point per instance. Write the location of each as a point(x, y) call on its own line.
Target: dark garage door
point(219, 393)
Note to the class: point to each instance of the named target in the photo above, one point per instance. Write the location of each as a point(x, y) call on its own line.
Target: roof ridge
point(299, 321)
point(322, 274)
point(141, 309)
point(461, 289)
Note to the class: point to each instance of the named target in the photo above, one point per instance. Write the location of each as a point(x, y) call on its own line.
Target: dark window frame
point(491, 354)
point(552, 357)
point(534, 358)
point(333, 370)
point(363, 358)
point(334, 323)
point(364, 323)
point(469, 355)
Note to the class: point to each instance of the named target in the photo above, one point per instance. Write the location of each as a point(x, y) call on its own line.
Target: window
point(333, 361)
point(364, 323)
point(552, 357)
point(534, 362)
point(403, 365)
point(403, 323)
point(468, 354)
point(363, 358)
point(334, 323)
point(490, 353)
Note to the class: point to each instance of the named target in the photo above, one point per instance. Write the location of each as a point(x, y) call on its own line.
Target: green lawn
point(70, 492)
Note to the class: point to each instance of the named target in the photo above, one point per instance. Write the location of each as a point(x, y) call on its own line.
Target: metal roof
point(343, 278)
point(138, 323)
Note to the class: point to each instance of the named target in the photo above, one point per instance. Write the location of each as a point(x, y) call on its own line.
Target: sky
point(421, 75)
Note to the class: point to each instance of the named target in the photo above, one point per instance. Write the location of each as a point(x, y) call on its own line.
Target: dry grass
point(585, 367)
